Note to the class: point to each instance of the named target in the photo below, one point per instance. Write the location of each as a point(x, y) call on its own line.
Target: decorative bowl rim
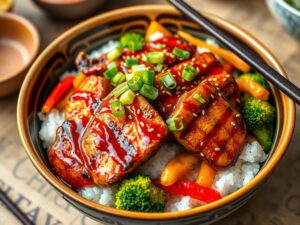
point(287, 104)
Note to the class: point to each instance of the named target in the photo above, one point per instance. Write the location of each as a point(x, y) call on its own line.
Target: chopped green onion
point(127, 97)
point(181, 54)
point(117, 108)
point(117, 79)
point(138, 70)
point(159, 67)
point(111, 71)
point(114, 54)
point(199, 98)
point(160, 46)
point(135, 83)
point(133, 41)
point(149, 92)
point(129, 76)
point(149, 77)
point(175, 124)
point(155, 57)
point(129, 62)
point(120, 90)
point(168, 80)
point(189, 73)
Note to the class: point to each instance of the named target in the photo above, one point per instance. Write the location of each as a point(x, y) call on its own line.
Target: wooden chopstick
point(14, 209)
point(241, 50)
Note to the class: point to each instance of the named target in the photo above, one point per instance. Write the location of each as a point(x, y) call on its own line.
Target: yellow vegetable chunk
point(254, 88)
point(78, 80)
point(177, 168)
point(206, 175)
point(223, 53)
point(156, 31)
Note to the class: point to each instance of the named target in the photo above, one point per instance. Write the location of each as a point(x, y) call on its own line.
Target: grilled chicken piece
point(65, 155)
point(213, 130)
point(114, 146)
point(90, 90)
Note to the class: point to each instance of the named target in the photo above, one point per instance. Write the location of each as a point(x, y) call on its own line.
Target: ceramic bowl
point(70, 9)
point(288, 16)
point(19, 44)
point(88, 35)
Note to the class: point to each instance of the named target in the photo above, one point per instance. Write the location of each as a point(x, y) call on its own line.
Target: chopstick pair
point(14, 209)
point(241, 50)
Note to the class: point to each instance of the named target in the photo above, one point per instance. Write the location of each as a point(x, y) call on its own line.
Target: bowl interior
point(89, 36)
point(18, 41)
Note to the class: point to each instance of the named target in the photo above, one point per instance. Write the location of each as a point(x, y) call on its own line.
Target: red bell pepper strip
point(61, 89)
point(191, 189)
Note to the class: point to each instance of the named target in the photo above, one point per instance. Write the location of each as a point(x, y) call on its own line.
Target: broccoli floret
point(264, 136)
point(259, 116)
point(257, 113)
point(133, 41)
point(140, 194)
point(257, 78)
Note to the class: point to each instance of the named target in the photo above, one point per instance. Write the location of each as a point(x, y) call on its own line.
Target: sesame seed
point(150, 130)
point(238, 115)
point(233, 123)
point(178, 88)
point(238, 100)
point(214, 79)
point(217, 149)
point(195, 115)
point(201, 143)
point(130, 117)
point(158, 135)
point(169, 93)
point(219, 93)
point(138, 111)
point(142, 123)
point(203, 112)
point(184, 88)
point(212, 96)
point(201, 154)
point(163, 109)
point(169, 105)
point(193, 59)
point(227, 75)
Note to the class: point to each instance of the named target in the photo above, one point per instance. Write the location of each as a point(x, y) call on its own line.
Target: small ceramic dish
point(19, 44)
point(70, 9)
point(90, 35)
point(287, 16)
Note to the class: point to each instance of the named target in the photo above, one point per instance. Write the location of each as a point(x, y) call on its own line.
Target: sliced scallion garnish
point(120, 90)
point(129, 62)
point(117, 79)
point(155, 57)
point(168, 81)
point(181, 54)
point(149, 77)
point(127, 97)
point(135, 83)
point(117, 108)
point(189, 73)
point(175, 124)
point(114, 54)
point(138, 70)
point(199, 98)
point(149, 92)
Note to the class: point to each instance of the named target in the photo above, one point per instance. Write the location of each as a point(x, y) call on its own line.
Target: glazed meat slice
point(90, 90)
point(114, 146)
point(204, 63)
point(212, 129)
point(65, 155)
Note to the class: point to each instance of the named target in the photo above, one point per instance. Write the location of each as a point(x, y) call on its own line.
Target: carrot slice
point(206, 175)
point(223, 53)
point(156, 29)
point(254, 88)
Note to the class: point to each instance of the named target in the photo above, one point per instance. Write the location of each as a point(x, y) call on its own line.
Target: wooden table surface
point(278, 201)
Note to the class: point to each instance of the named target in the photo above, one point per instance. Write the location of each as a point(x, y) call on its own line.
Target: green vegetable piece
point(140, 195)
point(175, 124)
point(132, 41)
point(257, 113)
point(135, 83)
point(199, 98)
point(117, 108)
point(168, 81)
point(111, 71)
point(155, 57)
point(129, 62)
point(159, 67)
point(120, 90)
point(117, 79)
point(257, 78)
point(127, 97)
point(114, 54)
point(189, 73)
point(181, 54)
point(264, 136)
point(138, 70)
point(149, 92)
point(149, 77)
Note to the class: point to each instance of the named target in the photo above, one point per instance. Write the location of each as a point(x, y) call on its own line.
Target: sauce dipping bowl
point(19, 44)
point(93, 33)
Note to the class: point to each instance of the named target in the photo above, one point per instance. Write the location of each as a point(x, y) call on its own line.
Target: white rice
point(104, 49)
point(50, 122)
